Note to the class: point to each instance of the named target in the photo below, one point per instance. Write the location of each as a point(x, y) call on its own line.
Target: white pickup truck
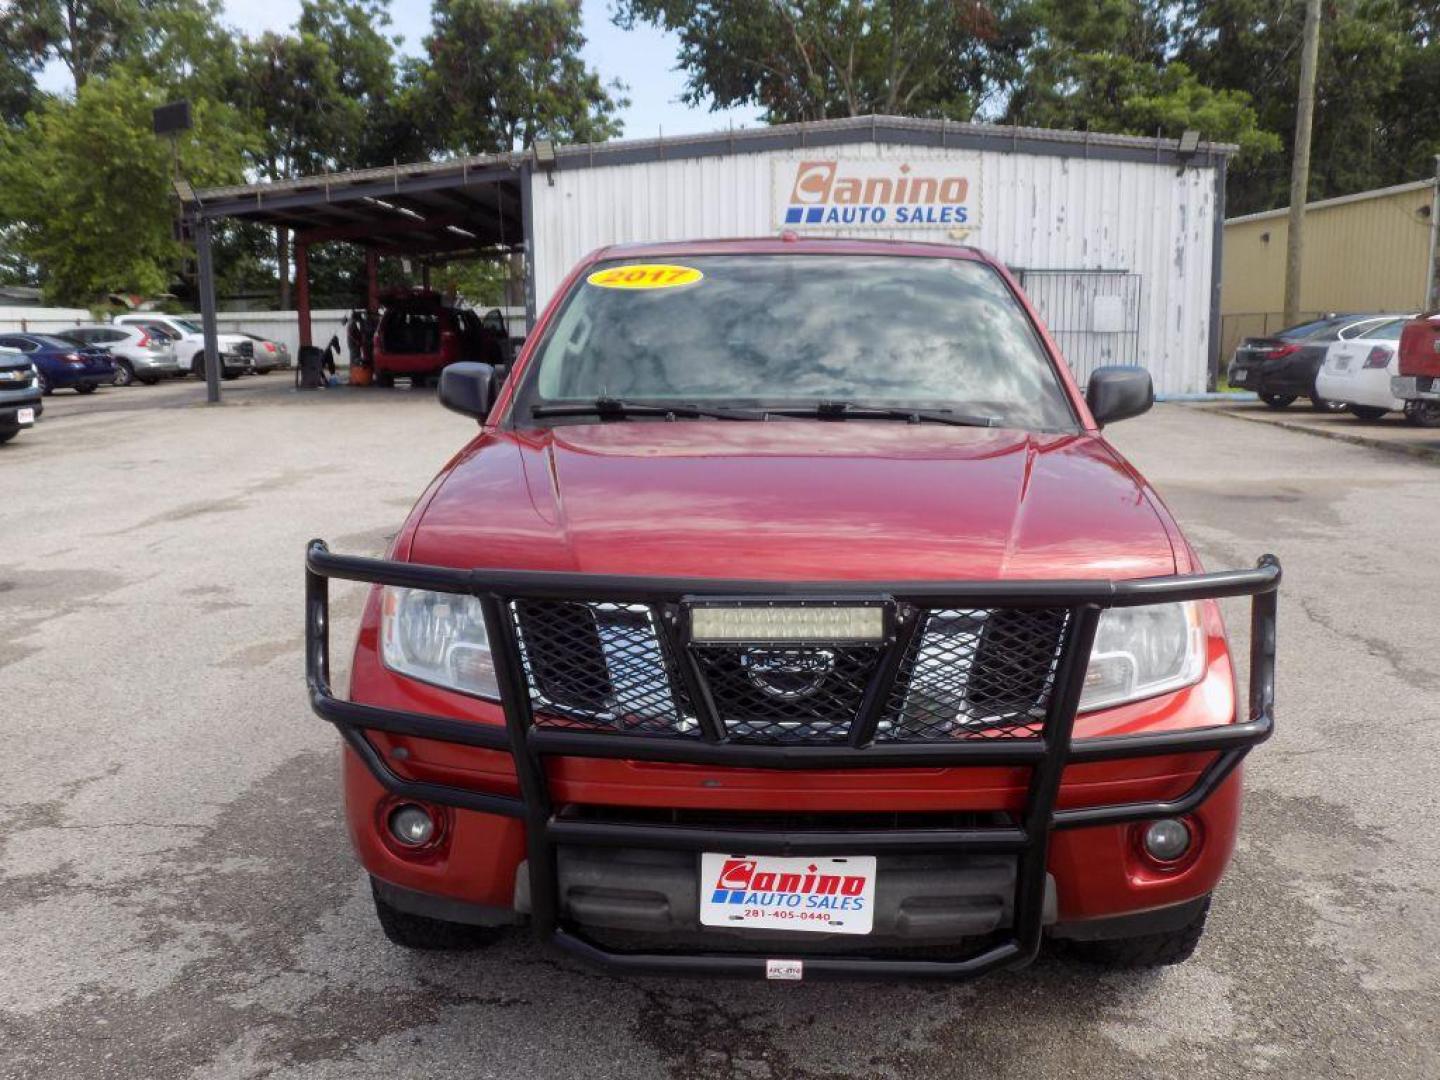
point(237, 352)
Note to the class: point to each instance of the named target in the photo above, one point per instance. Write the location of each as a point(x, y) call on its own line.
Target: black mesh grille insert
point(966, 673)
point(600, 666)
point(788, 695)
point(975, 673)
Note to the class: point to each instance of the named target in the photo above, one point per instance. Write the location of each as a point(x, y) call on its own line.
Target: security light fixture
point(544, 150)
point(1189, 142)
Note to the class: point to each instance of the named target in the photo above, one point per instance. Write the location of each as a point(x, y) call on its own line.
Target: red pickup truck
point(1418, 383)
point(789, 615)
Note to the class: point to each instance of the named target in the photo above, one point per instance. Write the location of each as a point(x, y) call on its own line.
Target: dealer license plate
point(772, 892)
point(24, 416)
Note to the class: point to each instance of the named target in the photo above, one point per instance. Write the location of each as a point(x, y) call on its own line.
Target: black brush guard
point(1046, 755)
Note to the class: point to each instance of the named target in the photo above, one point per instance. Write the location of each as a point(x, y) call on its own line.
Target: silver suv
point(236, 350)
point(140, 355)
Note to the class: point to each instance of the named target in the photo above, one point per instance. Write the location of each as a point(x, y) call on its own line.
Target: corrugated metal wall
point(1361, 254)
point(1036, 212)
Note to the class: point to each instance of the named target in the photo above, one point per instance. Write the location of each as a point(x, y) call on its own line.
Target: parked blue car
point(63, 363)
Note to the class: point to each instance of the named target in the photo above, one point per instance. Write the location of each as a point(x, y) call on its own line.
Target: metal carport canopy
point(463, 207)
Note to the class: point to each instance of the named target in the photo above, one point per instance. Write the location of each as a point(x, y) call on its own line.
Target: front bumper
point(1024, 837)
point(1416, 387)
point(10, 412)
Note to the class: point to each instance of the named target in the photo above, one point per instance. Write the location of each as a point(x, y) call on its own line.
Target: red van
point(417, 336)
point(790, 615)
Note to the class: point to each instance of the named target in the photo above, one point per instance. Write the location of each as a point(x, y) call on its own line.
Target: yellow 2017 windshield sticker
point(645, 276)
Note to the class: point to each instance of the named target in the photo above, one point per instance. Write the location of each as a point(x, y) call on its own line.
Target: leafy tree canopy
point(87, 187)
point(815, 59)
point(501, 74)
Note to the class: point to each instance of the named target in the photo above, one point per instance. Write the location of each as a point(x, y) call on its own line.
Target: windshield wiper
point(609, 408)
point(847, 410)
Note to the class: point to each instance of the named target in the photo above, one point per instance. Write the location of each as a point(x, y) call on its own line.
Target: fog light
point(411, 825)
point(1167, 839)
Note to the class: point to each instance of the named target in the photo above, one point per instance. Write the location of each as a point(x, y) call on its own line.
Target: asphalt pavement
point(177, 896)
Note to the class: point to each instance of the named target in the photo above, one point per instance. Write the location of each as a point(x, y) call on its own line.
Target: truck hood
point(794, 500)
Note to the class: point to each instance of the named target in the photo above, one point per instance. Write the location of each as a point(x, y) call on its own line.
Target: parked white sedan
point(1357, 372)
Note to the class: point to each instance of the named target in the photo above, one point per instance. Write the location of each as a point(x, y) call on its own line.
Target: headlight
point(438, 638)
point(1143, 651)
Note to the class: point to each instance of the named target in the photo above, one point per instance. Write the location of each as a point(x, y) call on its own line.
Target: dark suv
point(20, 404)
point(1283, 366)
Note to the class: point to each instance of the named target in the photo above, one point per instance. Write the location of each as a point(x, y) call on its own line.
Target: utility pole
point(1300, 160)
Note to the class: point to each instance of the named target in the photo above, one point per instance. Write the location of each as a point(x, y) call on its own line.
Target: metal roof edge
point(900, 130)
point(1338, 200)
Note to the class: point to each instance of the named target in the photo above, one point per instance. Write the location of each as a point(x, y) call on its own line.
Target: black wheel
point(124, 373)
point(197, 365)
point(1424, 414)
point(385, 379)
point(229, 375)
point(6, 436)
point(150, 382)
point(1366, 412)
point(1150, 950)
point(1278, 401)
point(44, 384)
point(86, 388)
point(418, 932)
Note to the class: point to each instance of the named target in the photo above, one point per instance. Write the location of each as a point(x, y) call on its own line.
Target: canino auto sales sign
point(840, 194)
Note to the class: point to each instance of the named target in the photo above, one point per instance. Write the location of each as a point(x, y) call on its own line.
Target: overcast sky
point(641, 58)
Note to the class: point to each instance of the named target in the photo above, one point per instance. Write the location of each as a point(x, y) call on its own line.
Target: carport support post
point(206, 272)
point(302, 291)
point(372, 280)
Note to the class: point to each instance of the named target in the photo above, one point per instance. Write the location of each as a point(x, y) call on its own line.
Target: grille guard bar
point(1046, 755)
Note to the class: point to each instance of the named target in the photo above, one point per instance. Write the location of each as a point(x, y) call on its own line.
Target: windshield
point(794, 331)
point(188, 326)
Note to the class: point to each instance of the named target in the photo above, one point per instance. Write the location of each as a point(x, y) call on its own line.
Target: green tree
point(85, 188)
point(323, 98)
point(1253, 46)
point(501, 74)
point(89, 37)
point(815, 59)
point(1105, 67)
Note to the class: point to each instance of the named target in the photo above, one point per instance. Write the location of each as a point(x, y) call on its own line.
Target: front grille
point(600, 666)
point(965, 673)
point(977, 673)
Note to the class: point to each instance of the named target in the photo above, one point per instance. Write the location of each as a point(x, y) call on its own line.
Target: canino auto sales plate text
point(832, 895)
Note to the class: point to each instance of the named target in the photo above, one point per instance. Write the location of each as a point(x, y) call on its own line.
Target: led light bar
point(793, 622)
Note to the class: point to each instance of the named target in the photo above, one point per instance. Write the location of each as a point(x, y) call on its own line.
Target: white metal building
point(1115, 238)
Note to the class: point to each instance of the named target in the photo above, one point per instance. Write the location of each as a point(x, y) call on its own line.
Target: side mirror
point(1119, 392)
point(468, 388)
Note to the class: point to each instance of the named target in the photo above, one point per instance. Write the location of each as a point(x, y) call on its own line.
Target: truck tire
point(1366, 412)
point(1278, 401)
point(1149, 950)
point(418, 932)
point(1425, 414)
